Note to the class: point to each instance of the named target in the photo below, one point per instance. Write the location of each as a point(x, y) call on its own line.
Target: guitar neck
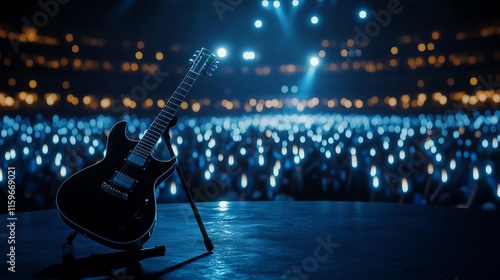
point(146, 145)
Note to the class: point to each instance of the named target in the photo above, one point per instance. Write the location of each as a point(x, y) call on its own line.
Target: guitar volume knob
point(139, 215)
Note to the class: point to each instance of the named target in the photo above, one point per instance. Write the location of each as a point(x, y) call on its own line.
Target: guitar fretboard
point(146, 145)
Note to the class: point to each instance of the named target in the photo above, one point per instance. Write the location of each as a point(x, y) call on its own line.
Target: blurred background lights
point(221, 52)
point(314, 61)
point(276, 3)
point(314, 20)
point(258, 23)
point(248, 55)
point(362, 14)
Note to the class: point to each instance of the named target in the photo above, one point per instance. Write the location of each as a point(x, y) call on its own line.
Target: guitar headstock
point(204, 62)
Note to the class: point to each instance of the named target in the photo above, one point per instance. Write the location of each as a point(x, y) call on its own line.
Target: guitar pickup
point(123, 181)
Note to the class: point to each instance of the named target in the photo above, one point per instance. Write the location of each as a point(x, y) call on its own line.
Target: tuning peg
point(191, 61)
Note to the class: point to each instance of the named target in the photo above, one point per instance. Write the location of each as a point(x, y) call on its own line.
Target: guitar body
point(116, 222)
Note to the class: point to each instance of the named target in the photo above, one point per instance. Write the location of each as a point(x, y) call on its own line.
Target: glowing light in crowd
point(373, 170)
point(45, 149)
point(373, 152)
point(444, 176)
point(276, 4)
point(261, 160)
point(244, 181)
point(173, 188)
point(207, 175)
point(488, 169)
point(402, 154)
point(230, 160)
point(63, 171)
point(265, 3)
point(354, 161)
point(439, 157)
point(453, 164)
point(404, 185)
point(375, 182)
point(362, 14)
point(295, 3)
point(475, 173)
point(38, 159)
point(221, 52)
point(272, 181)
point(390, 159)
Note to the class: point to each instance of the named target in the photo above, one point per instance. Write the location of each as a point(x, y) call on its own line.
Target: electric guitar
point(113, 201)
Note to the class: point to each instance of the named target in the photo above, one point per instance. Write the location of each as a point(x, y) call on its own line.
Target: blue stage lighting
point(314, 19)
point(362, 14)
point(295, 3)
point(265, 3)
point(314, 61)
point(276, 4)
point(258, 23)
point(221, 52)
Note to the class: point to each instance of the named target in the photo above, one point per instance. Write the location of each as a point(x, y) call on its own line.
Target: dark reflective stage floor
point(280, 240)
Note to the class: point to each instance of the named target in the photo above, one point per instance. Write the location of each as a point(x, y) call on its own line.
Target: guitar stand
point(68, 256)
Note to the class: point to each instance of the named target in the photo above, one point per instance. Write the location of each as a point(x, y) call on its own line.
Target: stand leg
point(208, 243)
point(68, 254)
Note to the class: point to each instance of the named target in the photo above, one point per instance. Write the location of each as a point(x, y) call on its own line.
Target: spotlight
point(314, 61)
point(258, 23)
point(295, 3)
point(314, 20)
point(362, 14)
point(221, 52)
point(265, 3)
point(276, 4)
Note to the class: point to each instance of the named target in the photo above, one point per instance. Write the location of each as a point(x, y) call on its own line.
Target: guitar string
point(130, 169)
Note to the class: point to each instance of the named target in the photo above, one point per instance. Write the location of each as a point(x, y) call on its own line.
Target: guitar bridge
point(114, 191)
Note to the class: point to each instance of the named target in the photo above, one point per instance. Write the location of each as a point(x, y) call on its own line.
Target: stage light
point(314, 19)
point(294, 89)
point(265, 3)
point(362, 14)
point(295, 3)
point(221, 52)
point(276, 4)
point(314, 61)
point(258, 23)
point(375, 182)
point(248, 55)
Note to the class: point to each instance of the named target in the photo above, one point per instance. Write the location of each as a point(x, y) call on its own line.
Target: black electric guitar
point(113, 201)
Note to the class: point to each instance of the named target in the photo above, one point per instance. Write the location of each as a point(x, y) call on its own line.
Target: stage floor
point(278, 240)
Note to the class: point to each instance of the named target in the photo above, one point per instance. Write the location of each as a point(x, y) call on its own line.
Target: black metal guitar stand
point(166, 136)
point(68, 256)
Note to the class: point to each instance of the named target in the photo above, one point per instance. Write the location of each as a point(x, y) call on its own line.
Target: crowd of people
point(447, 159)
